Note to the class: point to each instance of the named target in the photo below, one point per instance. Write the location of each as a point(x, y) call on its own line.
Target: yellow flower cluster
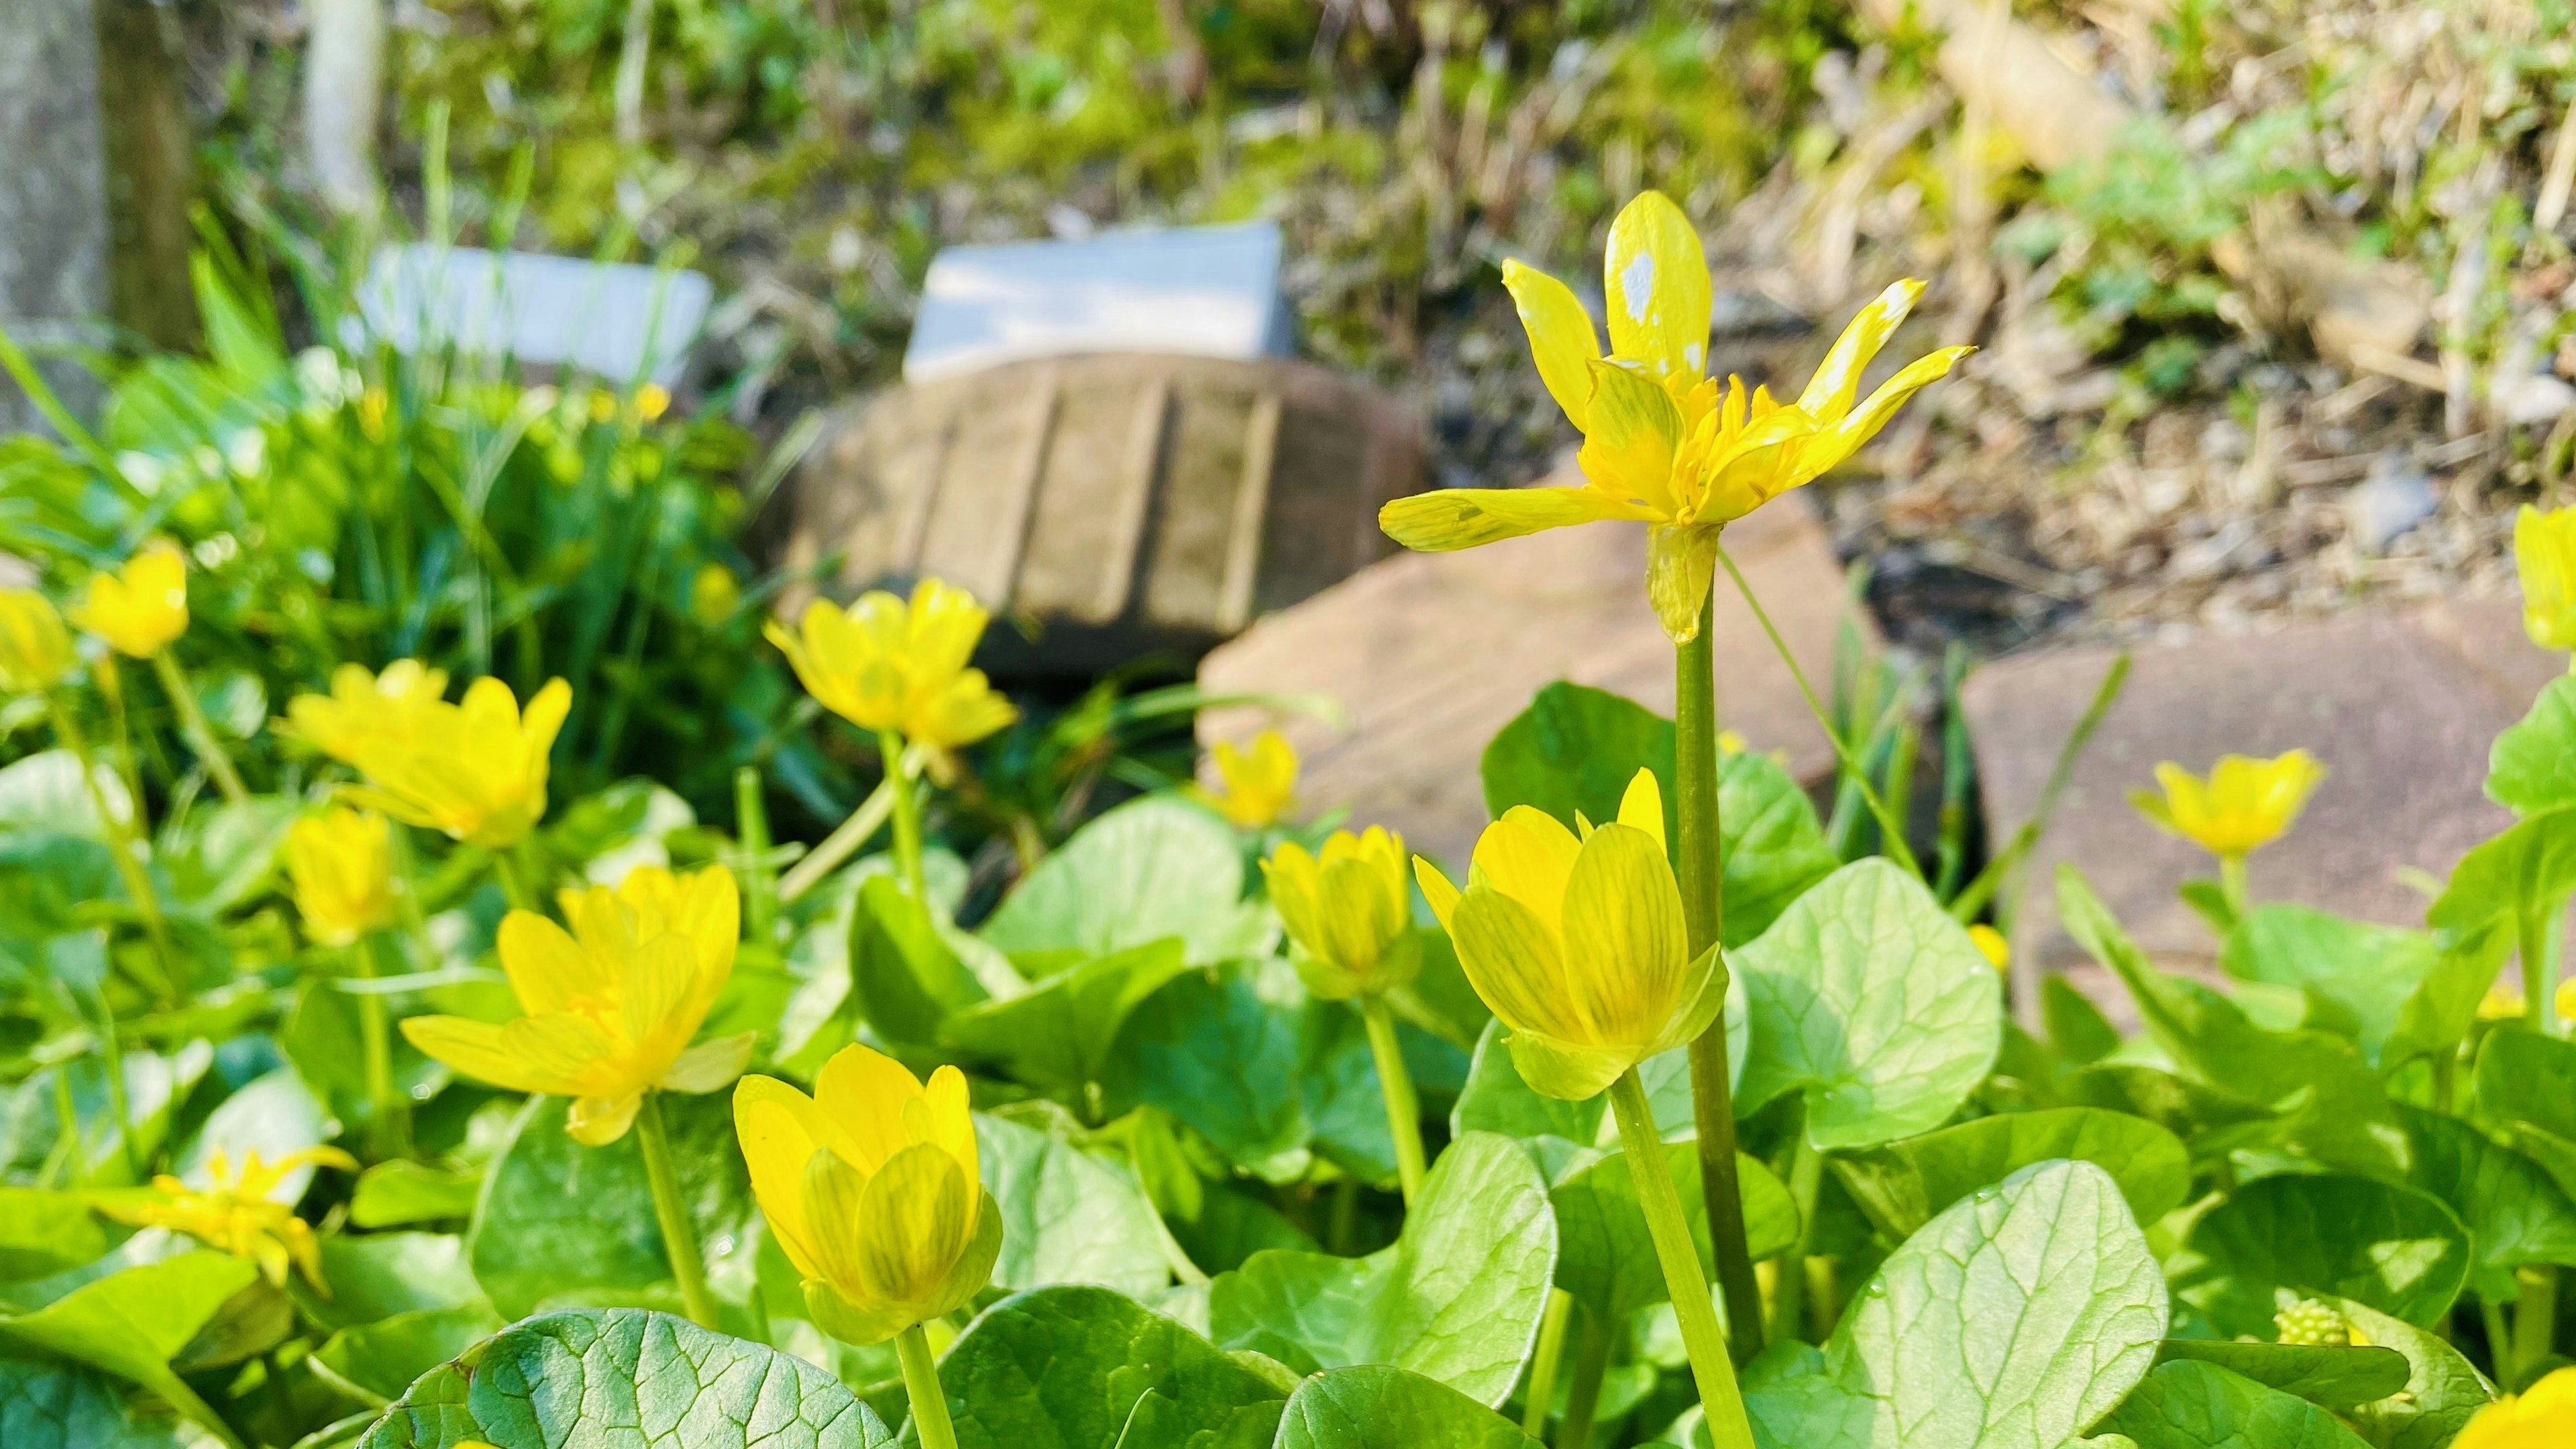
point(1256, 784)
point(141, 607)
point(475, 769)
point(2244, 804)
point(237, 1212)
point(888, 665)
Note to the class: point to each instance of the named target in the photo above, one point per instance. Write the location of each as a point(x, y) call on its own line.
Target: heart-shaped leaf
point(1085, 1368)
point(377, 1275)
point(2443, 1390)
point(1376, 1407)
point(132, 1323)
point(375, 1363)
point(2533, 765)
point(44, 1232)
point(2531, 863)
point(2516, 1213)
point(1058, 1033)
point(2355, 973)
point(1903, 1185)
point(2329, 1235)
point(1152, 868)
point(1066, 1216)
point(2190, 1404)
point(2525, 1077)
point(1224, 1055)
point(2335, 1375)
point(54, 1405)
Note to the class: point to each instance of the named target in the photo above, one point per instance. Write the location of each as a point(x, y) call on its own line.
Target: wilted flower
point(237, 1212)
point(2244, 805)
point(2541, 1417)
point(611, 1005)
point(872, 1189)
point(35, 652)
point(884, 664)
point(138, 608)
point(2544, 552)
point(341, 865)
point(1578, 944)
point(1992, 942)
point(364, 708)
point(1350, 912)
point(476, 770)
point(1661, 443)
point(1257, 785)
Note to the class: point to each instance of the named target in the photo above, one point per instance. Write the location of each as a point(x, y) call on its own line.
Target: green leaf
point(51, 1405)
point(2355, 971)
point(1151, 868)
point(401, 1192)
point(1084, 1368)
point(2439, 1014)
point(2443, 1390)
point(2533, 765)
point(1868, 998)
point(1375, 1407)
point(623, 1376)
point(375, 1362)
point(2531, 863)
point(2179, 1105)
point(1605, 1257)
point(2076, 1028)
point(1458, 1298)
point(132, 1323)
point(2523, 1076)
point(904, 979)
point(2189, 1404)
point(2516, 1213)
point(1774, 847)
point(43, 1232)
point(1903, 1185)
point(2014, 1320)
point(2335, 1375)
point(2326, 1236)
point(1066, 1217)
point(378, 1275)
point(1058, 1034)
point(43, 792)
point(561, 1224)
point(1224, 1056)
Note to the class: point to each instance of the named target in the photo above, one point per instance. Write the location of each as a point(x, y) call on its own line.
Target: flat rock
point(617, 321)
point(1430, 654)
point(2401, 707)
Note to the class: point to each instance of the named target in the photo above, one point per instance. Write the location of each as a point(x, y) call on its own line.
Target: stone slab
point(2401, 707)
point(1430, 654)
point(615, 321)
point(55, 242)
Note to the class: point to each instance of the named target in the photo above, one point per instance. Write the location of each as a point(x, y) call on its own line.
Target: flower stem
point(1403, 1109)
point(2535, 1315)
point(679, 1242)
point(1721, 1403)
point(514, 881)
point(759, 887)
point(907, 815)
point(111, 1054)
point(1701, 868)
point(840, 845)
point(2232, 885)
point(2540, 928)
point(1583, 1391)
point(921, 1383)
point(1541, 1398)
point(1806, 1178)
point(120, 848)
point(201, 736)
point(392, 1126)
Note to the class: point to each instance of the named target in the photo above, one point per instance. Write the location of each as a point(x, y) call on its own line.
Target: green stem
point(759, 888)
point(921, 1383)
point(1721, 1403)
point(112, 1058)
point(679, 1242)
point(1541, 1398)
point(2535, 1320)
point(120, 849)
point(2231, 884)
point(201, 736)
point(1701, 868)
point(2540, 929)
point(1403, 1109)
point(407, 888)
point(1806, 1179)
point(840, 845)
point(1583, 1391)
point(907, 815)
point(514, 881)
point(2499, 1341)
point(392, 1125)
point(1897, 848)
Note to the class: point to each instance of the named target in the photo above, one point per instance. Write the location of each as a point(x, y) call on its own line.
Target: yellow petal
point(547, 970)
point(915, 1217)
point(1681, 567)
point(777, 1126)
point(1511, 958)
point(1656, 280)
point(1830, 392)
point(1831, 447)
point(1628, 449)
point(598, 1121)
point(1454, 518)
point(864, 1093)
point(1642, 806)
point(1568, 1071)
point(1436, 890)
point(1626, 948)
point(1527, 856)
point(1560, 336)
point(710, 1066)
point(477, 1049)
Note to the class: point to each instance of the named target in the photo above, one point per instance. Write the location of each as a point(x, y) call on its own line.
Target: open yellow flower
point(611, 1005)
point(1661, 443)
point(35, 651)
point(476, 769)
point(139, 608)
point(1992, 943)
point(237, 1212)
point(1257, 784)
point(1577, 942)
point(1349, 911)
point(363, 709)
point(885, 664)
point(2544, 552)
point(2541, 1417)
point(341, 865)
point(2245, 804)
point(871, 1187)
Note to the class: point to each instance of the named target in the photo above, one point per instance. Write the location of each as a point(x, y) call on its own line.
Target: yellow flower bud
point(237, 1212)
point(1992, 942)
point(1578, 944)
point(611, 1005)
point(35, 652)
point(475, 770)
point(651, 401)
point(714, 595)
point(871, 1188)
point(885, 664)
point(141, 607)
point(362, 708)
point(1350, 912)
point(2541, 1417)
point(2544, 552)
point(2245, 804)
point(1259, 784)
point(341, 865)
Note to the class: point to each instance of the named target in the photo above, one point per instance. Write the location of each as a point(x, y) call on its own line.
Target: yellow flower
point(363, 708)
point(1661, 443)
point(883, 664)
point(2567, 999)
point(141, 607)
point(2501, 1003)
point(1350, 912)
point(1260, 783)
point(1577, 943)
point(2544, 551)
point(651, 401)
point(714, 595)
point(2245, 804)
point(610, 1005)
point(341, 864)
point(476, 769)
point(2541, 1417)
point(871, 1188)
point(1992, 942)
point(238, 1213)
point(35, 652)
point(1729, 742)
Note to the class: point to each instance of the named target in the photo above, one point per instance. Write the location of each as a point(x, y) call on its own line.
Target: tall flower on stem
point(340, 864)
point(1579, 945)
point(2243, 805)
point(871, 1187)
point(898, 669)
point(1349, 913)
point(611, 1007)
point(141, 609)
